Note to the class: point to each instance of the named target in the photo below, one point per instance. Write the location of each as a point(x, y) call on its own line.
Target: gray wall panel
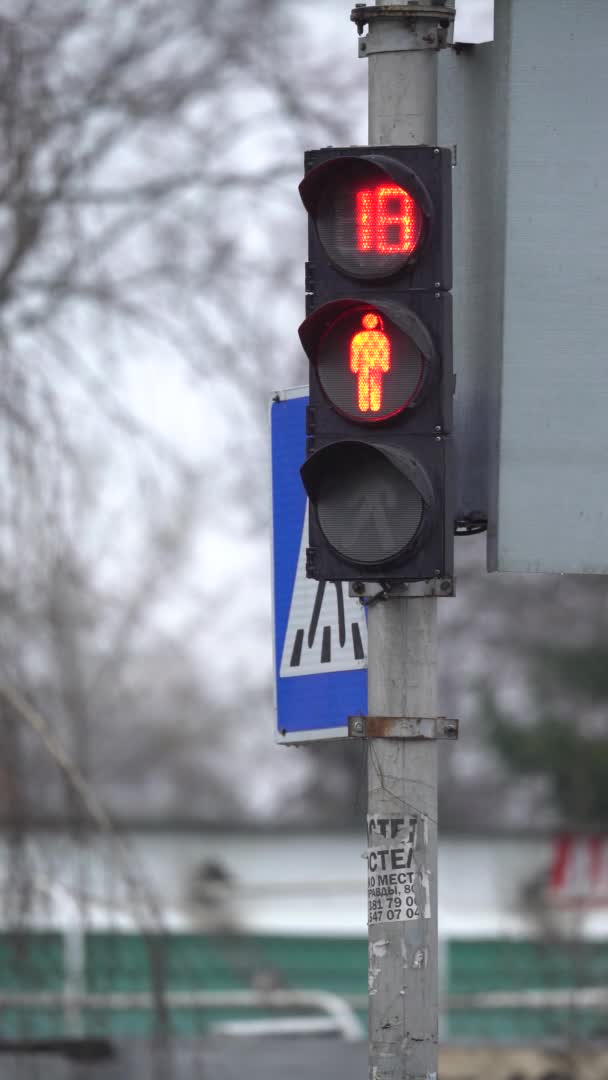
point(472, 117)
point(551, 509)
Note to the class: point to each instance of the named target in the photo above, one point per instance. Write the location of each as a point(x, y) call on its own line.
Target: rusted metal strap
point(402, 727)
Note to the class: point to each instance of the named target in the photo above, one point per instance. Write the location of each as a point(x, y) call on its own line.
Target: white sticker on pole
point(474, 21)
point(398, 885)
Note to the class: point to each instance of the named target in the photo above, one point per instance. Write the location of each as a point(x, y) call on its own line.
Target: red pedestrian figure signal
point(370, 359)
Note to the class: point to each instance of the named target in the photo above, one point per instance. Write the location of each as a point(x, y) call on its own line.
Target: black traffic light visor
point(315, 181)
point(314, 470)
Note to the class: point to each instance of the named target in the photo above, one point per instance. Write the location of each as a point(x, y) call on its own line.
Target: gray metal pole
point(402, 97)
point(402, 774)
point(402, 806)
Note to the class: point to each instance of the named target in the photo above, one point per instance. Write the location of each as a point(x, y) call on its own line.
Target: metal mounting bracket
point(372, 591)
point(421, 26)
point(402, 727)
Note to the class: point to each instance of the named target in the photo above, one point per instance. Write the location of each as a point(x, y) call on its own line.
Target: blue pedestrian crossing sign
point(320, 632)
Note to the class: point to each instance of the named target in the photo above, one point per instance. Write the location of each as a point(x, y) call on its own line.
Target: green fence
point(159, 965)
point(34, 965)
point(491, 965)
point(31, 963)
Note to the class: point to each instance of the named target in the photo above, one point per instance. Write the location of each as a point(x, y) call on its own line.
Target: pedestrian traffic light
point(378, 335)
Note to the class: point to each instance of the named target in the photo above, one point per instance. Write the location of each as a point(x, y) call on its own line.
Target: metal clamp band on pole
point(402, 727)
point(370, 592)
point(404, 27)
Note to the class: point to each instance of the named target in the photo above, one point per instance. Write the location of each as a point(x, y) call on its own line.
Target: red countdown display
point(389, 220)
point(370, 226)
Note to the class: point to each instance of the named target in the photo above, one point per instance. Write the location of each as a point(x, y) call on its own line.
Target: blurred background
point(168, 876)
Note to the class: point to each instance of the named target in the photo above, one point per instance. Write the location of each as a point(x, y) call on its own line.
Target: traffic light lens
point(368, 367)
point(367, 509)
point(369, 226)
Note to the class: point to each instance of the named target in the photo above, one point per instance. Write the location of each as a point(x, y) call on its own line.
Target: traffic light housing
point(378, 335)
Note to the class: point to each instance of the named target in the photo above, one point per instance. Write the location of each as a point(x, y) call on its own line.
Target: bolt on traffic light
point(379, 340)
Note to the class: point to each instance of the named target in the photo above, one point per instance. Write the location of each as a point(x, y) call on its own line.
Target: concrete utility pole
point(402, 46)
